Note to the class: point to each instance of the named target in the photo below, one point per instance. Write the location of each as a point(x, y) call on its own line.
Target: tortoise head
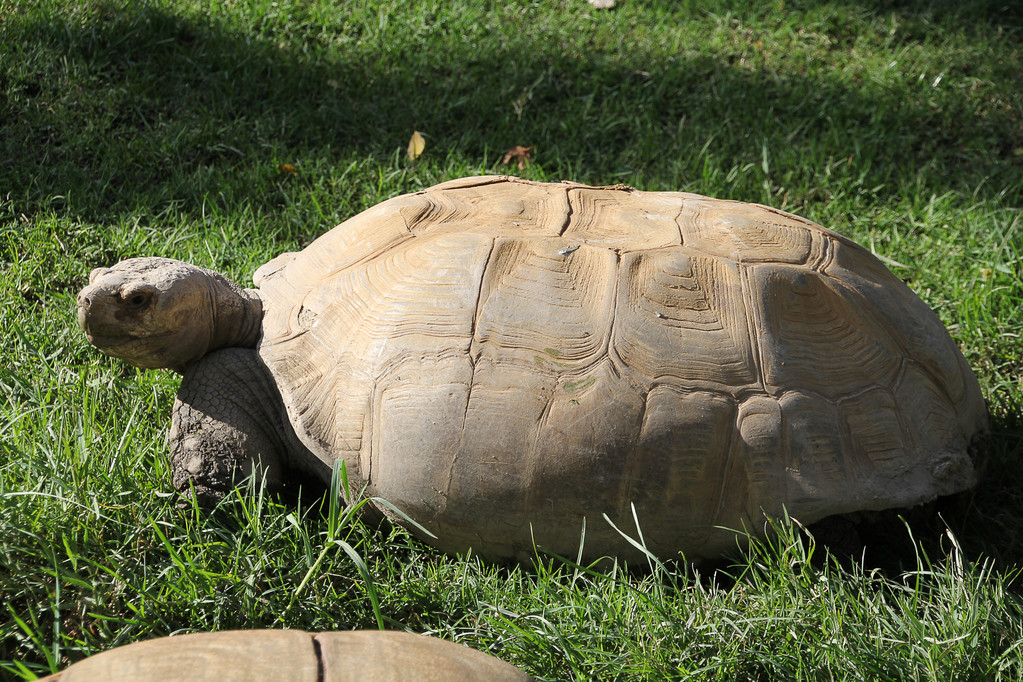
point(159, 312)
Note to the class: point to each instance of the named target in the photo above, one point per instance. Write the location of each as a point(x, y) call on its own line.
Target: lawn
point(226, 133)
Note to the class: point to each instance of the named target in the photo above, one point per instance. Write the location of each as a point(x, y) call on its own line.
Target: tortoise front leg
point(226, 426)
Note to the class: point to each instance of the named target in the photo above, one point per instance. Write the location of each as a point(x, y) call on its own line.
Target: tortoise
point(293, 655)
point(510, 362)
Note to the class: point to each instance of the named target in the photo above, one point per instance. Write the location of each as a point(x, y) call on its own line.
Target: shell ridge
point(374, 418)
point(369, 257)
point(569, 211)
point(456, 453)
point(608, 346)
point(611, 312)
point(733, 463)
point(404, 221)
point(472, 366)
point(824, 257)
point(753, 323)
point(792, 216)
point(632, 468)
point(479, 296)
point(434, 209)
point(469, 182)
point(272, 267)
point(535, 454)
point(678, 221)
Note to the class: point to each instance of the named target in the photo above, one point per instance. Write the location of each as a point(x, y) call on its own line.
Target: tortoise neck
point(237, 315)
point(251, 326)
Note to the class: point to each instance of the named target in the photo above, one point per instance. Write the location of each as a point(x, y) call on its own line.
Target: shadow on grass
point(982, 521)
point(973, 15)
point(133, 108)
point(990, 524)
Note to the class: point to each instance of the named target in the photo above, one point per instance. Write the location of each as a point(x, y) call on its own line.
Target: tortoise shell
point(503, 359)
point(260, 655)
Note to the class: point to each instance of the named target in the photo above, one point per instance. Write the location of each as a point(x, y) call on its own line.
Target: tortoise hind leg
point(226, 426)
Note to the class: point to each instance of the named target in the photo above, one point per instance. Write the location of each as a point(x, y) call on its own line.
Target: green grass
point(131, 128)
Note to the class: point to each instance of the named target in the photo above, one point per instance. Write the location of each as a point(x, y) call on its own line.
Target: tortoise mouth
point(106, 342)
point(126, 348)
point(121, 345)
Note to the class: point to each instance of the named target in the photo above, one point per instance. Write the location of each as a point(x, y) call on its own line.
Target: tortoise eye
point(138, 299)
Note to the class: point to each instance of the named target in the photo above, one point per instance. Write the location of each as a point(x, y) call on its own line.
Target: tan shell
point(261, 655)
point(501, 359)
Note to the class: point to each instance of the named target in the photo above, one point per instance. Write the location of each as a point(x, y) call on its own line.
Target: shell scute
point(496, 455)
point(749, 233)
point(924, 338)
point(670, 468)
point(624, 221)
point(580, 460)
point(811, 334)
point(874, 427)
point(419, 407)
point(536, 302)
point(680, 316)
point(759, 425)
point(936, 429)
point(510, 209)
point(816, 451)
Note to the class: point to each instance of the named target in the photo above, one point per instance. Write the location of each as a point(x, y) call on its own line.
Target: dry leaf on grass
point(287, 168)
point(416, 146)
point(520, 153)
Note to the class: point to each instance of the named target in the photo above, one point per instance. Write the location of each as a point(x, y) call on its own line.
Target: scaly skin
point(225, 426)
